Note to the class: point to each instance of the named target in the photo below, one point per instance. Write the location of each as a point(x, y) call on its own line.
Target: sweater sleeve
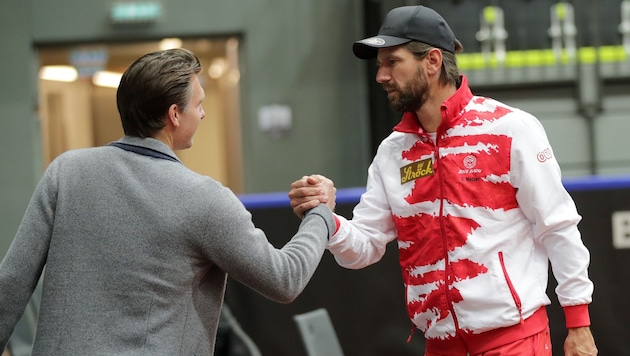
point(243, 251)
point(22, 266)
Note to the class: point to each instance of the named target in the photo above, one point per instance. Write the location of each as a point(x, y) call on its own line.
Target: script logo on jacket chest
point(415, 170)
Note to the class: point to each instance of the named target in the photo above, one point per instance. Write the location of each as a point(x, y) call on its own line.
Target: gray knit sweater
point(137, 251)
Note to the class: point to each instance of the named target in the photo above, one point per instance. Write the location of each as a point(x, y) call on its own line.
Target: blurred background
point(285, 97)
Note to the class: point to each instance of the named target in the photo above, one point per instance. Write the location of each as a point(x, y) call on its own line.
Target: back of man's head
point(151, 85)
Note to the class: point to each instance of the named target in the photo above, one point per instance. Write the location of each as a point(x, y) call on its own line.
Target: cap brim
point(368, 48)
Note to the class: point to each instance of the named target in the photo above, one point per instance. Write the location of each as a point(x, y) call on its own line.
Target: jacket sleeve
point(362, 241)
point(546, 203)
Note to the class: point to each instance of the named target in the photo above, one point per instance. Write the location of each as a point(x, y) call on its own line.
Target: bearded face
point(411, 96)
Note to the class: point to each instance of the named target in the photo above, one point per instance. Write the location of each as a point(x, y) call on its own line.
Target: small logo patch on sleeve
point(416, 170)
point(545, 155)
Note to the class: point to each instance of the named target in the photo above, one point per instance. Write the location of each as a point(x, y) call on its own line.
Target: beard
point(412, 96)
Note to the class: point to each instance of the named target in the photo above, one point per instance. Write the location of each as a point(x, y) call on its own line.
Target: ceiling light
point(234, 76)
point(170, 43)
point(59, 73)
point(217, 68)
point(106, 79)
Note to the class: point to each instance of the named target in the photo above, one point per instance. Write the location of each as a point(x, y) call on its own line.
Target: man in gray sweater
point(137, 247)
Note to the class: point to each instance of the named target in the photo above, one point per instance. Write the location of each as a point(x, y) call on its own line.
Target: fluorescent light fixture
point(169, 43)
point(58, 73)
point(106, 79)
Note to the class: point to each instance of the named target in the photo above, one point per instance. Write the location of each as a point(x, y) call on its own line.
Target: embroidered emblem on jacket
point(470, 162)
point(416, 170)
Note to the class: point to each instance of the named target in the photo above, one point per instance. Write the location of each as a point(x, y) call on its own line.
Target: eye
point(386, 63)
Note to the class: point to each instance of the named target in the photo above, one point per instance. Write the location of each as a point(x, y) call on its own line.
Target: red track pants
point(535, 345)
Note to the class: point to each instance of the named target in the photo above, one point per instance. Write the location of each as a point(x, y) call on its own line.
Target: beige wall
point(66, 117)
point(79, 114)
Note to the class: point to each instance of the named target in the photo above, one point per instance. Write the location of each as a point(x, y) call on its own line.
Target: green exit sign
point(136, 12)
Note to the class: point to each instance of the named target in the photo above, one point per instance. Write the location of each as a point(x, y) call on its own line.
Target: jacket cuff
point(577, 316)
point(337, 224)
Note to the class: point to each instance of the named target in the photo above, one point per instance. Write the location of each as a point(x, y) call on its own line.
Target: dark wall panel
point(366, 306)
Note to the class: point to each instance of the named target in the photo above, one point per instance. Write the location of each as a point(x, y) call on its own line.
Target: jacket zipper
point(447, 269)
point(515, 297)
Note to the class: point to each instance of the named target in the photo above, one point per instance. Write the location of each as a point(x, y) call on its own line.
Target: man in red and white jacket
point(470, 189)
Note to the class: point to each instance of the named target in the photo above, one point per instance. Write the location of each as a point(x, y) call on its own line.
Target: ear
point(173, 115)
point(434, 61)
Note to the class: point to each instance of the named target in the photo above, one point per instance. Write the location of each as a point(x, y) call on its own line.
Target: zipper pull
point(413, 329)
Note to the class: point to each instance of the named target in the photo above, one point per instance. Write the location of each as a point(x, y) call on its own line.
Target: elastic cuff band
point(577, 316)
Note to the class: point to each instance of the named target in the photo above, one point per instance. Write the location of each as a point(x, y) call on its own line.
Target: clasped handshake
point(309, 191)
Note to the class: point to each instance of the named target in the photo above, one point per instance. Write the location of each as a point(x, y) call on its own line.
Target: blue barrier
point(597, 183)
point(280, 200)
point(352, 195)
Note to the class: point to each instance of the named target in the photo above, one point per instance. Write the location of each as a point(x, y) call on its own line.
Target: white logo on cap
point(375, 41)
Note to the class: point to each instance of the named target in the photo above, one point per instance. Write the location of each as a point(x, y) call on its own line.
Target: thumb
point(313, 180)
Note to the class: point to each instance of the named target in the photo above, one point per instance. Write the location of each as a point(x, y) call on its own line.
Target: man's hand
point(580, 342)
point(310, 191)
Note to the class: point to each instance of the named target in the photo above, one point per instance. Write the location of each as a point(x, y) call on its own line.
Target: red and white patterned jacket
point(478, 214)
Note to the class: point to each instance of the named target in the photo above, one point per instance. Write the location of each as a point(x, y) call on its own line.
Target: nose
point(382, 75)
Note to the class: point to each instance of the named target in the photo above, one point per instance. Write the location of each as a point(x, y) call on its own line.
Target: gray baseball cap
point(405, 24)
